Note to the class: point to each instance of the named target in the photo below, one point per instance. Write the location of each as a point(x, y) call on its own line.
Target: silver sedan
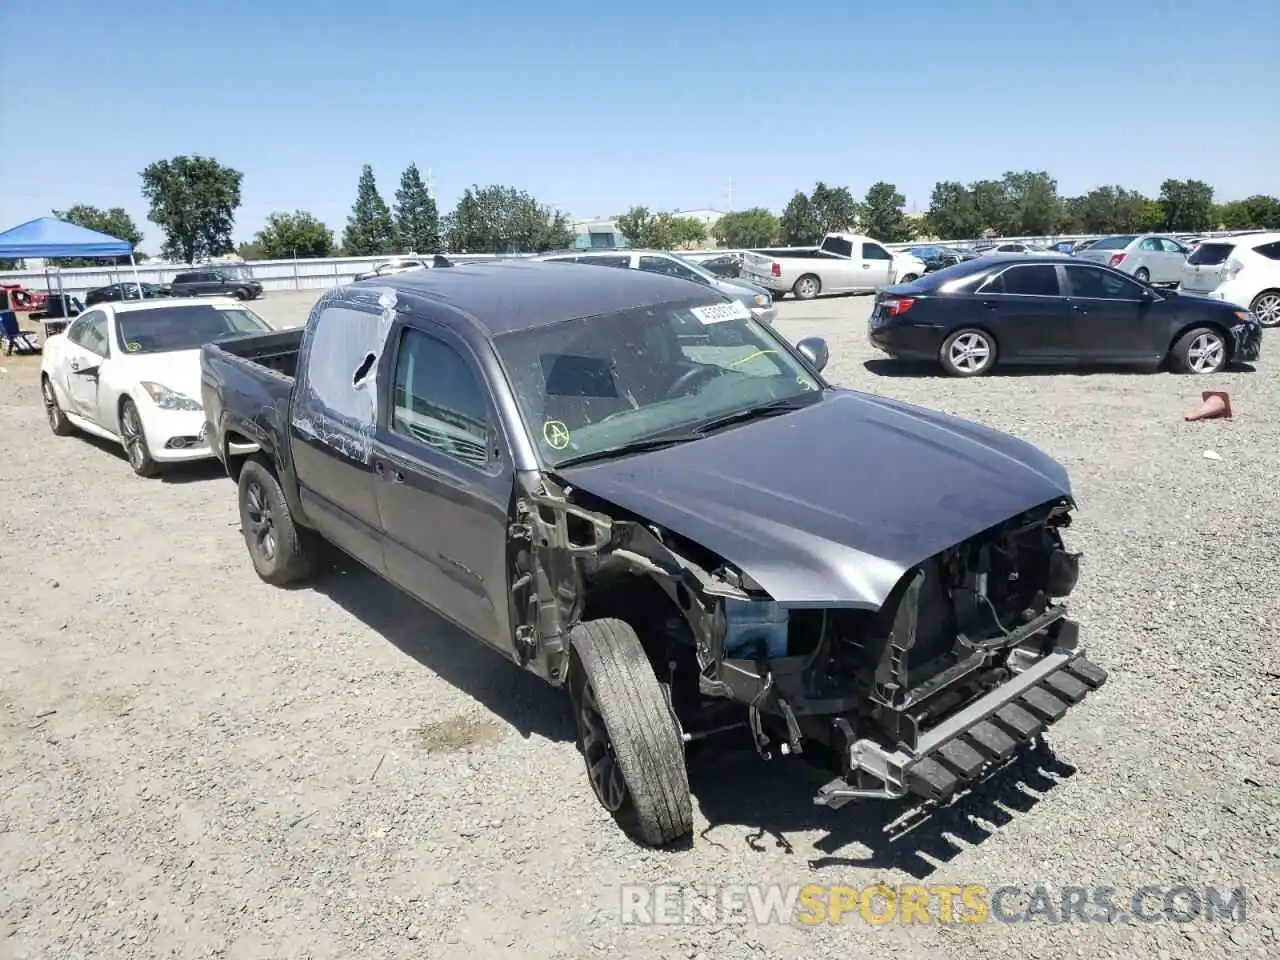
point(1148, 257)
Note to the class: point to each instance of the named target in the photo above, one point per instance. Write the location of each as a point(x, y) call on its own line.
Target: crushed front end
point(971, 657)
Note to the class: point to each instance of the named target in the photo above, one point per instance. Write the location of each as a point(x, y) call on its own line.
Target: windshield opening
point(1113, 243)
point(595, 383)
point(183, 328)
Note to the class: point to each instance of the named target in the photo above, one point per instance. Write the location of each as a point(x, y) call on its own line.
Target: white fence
point(331, 272)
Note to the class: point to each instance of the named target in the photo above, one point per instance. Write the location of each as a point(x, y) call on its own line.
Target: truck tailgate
point(758, 267)
point(244, 394)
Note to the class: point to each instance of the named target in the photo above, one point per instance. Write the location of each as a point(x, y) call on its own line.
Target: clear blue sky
point(595, 106)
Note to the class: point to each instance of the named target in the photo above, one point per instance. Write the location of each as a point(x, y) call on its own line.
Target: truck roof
point(506, 296)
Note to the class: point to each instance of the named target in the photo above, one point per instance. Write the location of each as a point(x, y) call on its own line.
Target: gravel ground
point(195, 764)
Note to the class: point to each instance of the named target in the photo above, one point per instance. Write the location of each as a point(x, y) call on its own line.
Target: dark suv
point(216, 281)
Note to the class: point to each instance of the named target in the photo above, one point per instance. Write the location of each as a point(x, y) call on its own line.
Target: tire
point(1200, 351)
point(282, 554)
point(1143, 274)
point(1266, 307)
point(627, 731)
point(58, 421)
point(242, 294)
point(134, 440)
point(968, 353)
point(807, 287)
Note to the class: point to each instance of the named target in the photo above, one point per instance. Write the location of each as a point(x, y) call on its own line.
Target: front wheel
point(281, 552)
point(134, 439)
point(1266, 307)
point(58, 421)
point(629, 737)
point(968, 353)
point(1200, 351)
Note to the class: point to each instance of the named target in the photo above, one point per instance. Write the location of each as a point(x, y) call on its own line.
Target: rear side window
point(873, 251)
point(1033, 280)
point(839, 246)
point(184, 278)
point(1210, 254)
point(1269, 250)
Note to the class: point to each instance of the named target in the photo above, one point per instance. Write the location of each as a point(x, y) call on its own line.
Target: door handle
point(990, 304)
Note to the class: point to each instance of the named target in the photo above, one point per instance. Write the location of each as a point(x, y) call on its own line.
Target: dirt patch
point(457, 733)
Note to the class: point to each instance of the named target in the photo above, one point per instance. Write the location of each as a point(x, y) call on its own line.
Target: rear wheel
point(1200, 351)
point(1266, 307)
point(58, 421)
point(134, 439)
point(281, 552)
point(807, 287)
point(968, 353)
point(628, 735)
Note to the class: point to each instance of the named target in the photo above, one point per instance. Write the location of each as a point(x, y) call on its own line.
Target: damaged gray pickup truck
point(625, 484)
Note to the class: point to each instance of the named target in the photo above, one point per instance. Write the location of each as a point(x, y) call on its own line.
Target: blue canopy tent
point(48, 237)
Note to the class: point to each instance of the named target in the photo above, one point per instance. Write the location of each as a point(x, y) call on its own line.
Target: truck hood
point(831, 504)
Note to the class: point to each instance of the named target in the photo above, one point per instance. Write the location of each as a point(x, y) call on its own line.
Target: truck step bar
point(982, 735)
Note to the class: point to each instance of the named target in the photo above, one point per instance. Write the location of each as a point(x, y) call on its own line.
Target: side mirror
point(815, 350)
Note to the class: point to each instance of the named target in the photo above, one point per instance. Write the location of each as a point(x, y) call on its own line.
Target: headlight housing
point(762, 300)
point(167, 399)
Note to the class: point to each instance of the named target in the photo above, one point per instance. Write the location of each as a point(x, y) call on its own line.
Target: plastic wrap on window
point(338, 405)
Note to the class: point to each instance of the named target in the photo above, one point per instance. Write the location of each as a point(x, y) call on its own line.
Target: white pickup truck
point(842, 263)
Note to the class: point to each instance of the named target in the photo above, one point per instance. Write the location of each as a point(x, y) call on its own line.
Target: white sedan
point(130, 372)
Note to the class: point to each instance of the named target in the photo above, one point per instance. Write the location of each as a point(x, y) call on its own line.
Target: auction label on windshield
point(720, 312)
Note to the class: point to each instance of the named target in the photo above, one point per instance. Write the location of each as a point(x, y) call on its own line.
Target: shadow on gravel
point(775, 798)
point(195, 471)
point(916, 369)
point(518, 697)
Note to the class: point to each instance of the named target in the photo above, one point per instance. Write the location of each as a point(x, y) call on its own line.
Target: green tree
point(297, 235)
point(370, 231)
point(953, 214)
point(1186, 204)
point(1258, 212)
point(882, 214)
point(1110, 209)
point(799, 224)
point(992, 207)
point(687, 232)
point(501, 219)
point(744, 229)
point(194, 201)
point(417, 221)
point(115, 222)
point(1034, 207)
point(646, 230)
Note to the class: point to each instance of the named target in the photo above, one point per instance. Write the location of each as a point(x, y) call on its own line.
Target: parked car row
point(624, 487)
point(223, 281)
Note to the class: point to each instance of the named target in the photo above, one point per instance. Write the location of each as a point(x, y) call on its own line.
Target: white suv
point(1244, 270)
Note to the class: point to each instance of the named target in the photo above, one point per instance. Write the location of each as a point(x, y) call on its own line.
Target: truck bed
point(246, 386)
point(277, 351)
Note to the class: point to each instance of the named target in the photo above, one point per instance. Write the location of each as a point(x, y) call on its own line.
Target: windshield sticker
point(556, 434)
point(720, 312)
point(133, 346)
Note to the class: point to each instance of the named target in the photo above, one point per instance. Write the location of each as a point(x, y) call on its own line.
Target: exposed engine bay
point(971, 655)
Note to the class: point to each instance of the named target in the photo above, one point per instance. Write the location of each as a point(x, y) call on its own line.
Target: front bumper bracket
point(984, 734)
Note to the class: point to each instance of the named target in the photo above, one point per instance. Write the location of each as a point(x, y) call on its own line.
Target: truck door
point(877, 266)
point(332, 424)
point(445, 481)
